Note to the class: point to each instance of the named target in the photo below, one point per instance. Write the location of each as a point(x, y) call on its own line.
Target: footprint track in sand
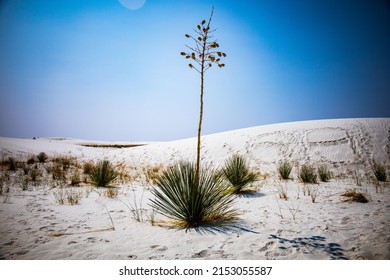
point(201, 254)
point(159, 248)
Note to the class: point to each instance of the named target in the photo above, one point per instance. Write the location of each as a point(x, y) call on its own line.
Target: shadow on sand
point(312, 244)
point(225, 228)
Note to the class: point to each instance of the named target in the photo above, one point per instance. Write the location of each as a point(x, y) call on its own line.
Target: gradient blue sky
point(93, 69)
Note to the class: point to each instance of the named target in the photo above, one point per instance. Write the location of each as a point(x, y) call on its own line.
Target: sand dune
point(35, 226)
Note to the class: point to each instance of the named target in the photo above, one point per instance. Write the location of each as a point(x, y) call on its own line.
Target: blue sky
point(93, 69)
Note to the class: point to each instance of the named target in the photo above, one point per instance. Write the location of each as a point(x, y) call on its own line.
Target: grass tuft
point(324, 173)
point(103, 174)
point(237, 173)
point(35, 173)
point(307, 174)
point(284, 169)
point(380, 172)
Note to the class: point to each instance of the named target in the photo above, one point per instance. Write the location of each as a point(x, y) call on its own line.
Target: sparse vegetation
point(354, 196)
point(88, 167)
point(4, 185)
point(31, 160)
point(70, 195)
point(307, 174)
point(324, 173)
point(284, 169)
point(1, 185)
point(26, 169)
point(103, 174)
point(135, 208)
point(313, 194)
point(152, 173)
point(380, 172)
point(12, 165)
point(35, 173)
point(60, 195)
point(42, 157)
point(58, 172)
point(75, 178)
point(24, 184)
point(74, 195)
point(293, 210)
point(282, 190)
point(115, 146)
point(189, 204)
point(237, 173)
point(111, 192)
point(65, 161)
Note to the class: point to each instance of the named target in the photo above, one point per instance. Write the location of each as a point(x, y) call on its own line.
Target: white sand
point(269, 228)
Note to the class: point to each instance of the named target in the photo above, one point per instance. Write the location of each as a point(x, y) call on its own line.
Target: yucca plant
point(307, 174)
point(284, 169)
point(191, 202)
point(103, 174)
point(237, 173)
point(42, 157)
point(380, 172)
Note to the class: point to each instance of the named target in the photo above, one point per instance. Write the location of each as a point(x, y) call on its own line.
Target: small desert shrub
point(7, 197)
point(31, 160)
point(111, 192)
point(75, 179)
point(353, 195)
point(282, 190)
point(12, 165)
point(26, 170)
point(4, 185)
point(1, 186)
point(307, 190)
point(58, 172)
point(103, 174)
point(65, 161)
point(324, 173)
point(380, 172)
point(313, 194)
point(69, 195)
point(34, 174)
point(88, 167)
point(237, 173)
point(136, 208)
point(153, 173)
point(60, 195)
point(284, 169)
point(190, 203)
point(42, 157)
point(307, 174)
point(24, 184)
point(74, 195)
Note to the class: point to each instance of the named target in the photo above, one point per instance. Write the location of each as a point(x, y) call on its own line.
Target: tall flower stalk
point(203, 53)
